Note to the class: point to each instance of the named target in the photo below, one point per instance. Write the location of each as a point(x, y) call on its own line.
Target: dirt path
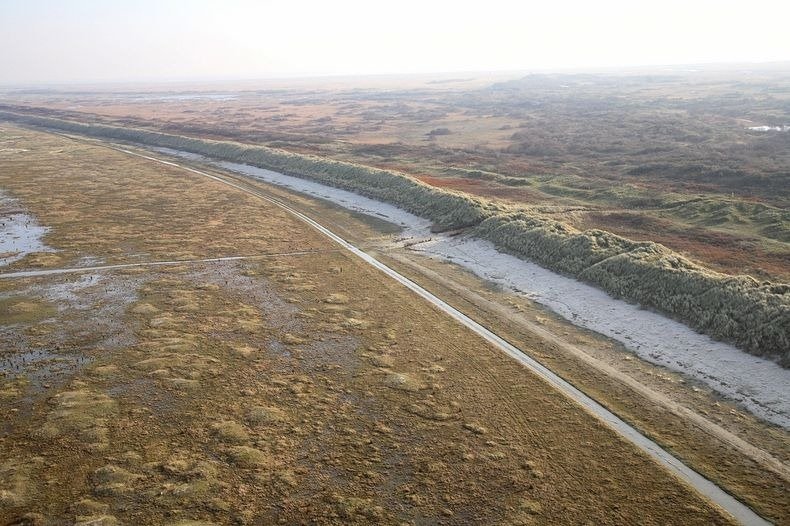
point(76, 270)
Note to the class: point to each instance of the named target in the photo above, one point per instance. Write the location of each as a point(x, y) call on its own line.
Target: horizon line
point(308, 76)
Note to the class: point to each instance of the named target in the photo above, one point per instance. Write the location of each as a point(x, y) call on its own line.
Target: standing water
point(20, 234)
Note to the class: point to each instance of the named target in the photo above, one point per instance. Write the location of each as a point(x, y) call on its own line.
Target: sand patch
point(92, 513)
point(105, 370)
point(244, 350)
point(11, 389)
point(165, 321)
point(96, 520)
point(356, 509)
point(403, 382)
point(384, 361)
point(16, 484)
point(89, 507)
point(144, 309)
point(190, 478)
point(355, 323)
point(337, 299)
point(112, 480)
point(184, 364)
point(475, 428)
point(290, 339)
point(526, 513)
point(265, 415)
point(431, 412)
point(188, 522)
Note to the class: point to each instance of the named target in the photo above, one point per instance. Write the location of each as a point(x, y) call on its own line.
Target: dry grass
point(318, 435)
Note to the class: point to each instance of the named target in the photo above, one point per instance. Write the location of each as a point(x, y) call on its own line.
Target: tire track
point(74, 270)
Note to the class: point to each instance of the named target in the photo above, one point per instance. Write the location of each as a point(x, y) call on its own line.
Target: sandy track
point(76, 270)
point(707, 488)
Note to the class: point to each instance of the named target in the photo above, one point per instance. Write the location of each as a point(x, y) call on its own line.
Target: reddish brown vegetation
point(724, 252)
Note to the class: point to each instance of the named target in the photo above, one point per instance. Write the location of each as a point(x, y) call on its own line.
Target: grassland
point(281, 389)
point(716, 437)
point(738, 309)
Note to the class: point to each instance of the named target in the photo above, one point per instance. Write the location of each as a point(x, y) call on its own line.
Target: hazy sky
point(90, 40)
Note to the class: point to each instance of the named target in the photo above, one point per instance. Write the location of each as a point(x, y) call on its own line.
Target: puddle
point(782, 128)
point(70, 294)
point(39, 366)
point(20, 234)
point(88, 317)
point(277, 313)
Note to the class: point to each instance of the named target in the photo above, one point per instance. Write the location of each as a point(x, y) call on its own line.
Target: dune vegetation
point(753, 315)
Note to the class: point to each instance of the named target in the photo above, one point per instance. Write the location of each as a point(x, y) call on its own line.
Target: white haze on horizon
point(93, 40)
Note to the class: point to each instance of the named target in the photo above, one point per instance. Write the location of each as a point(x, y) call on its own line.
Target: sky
point(68, 41)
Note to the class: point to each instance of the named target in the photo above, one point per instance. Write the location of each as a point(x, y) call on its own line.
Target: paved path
point(738, 510)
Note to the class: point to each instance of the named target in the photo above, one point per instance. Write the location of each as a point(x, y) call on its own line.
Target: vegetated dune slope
point(754, 316)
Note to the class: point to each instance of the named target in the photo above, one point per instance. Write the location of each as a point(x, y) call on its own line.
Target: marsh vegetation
point(278, 390)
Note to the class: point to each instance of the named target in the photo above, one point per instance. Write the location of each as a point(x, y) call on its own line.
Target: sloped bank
point(752, 315)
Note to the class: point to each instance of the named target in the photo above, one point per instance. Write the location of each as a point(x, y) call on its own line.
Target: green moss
point(229, 431)
point(249, 457)
point(21, 309)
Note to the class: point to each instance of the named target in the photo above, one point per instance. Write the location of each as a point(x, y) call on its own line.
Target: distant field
point(291, 388)
point(666, 157)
